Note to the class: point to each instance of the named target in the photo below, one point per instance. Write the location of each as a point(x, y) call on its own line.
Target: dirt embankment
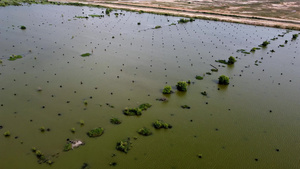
point(176, 9)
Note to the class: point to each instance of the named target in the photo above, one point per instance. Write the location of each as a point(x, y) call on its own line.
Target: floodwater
point(254, 122)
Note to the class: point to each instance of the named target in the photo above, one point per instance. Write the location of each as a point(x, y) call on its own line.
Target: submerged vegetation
point(95, 132)
point(182, 20)
point(264, 44)
point(6, 134)
point(199, 77)
point(22, 27)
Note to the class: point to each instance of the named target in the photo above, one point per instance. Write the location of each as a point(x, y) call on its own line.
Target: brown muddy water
point(254, 122)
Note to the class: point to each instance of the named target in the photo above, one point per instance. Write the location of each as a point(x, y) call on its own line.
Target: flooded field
point(52, 94)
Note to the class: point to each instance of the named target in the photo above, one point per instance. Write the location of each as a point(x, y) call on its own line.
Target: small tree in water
point(224, 80)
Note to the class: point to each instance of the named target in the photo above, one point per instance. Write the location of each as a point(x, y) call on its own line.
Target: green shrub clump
point(231, 60)
point(85, 54)
point(181, 86)
point(160, 124)
point(132, 111)
point(123, 146)
point(157, 27)
point(115, 121)
point(7, 134)
point(167, 90)
point(95, 132)
point(224, 80)
point(108, 10)
point(14, 57)
point(22, 27)
point(199, 77)
point(68, 147)
point(144, 131)
point(295, 36)
point(265, 44)
point(136, 111)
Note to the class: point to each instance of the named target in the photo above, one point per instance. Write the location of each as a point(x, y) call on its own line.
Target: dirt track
point(204, 14)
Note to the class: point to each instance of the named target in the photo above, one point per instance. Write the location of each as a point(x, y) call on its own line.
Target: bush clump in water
point(85, 54)
point(123, 145)
point(6, 134)
point(223, 80)
point(167, 89)
point(115, 121)
point(199, 77)
point(22, 27)
point(295, 36)
point(136, 111)
point(14, 57)
point(231, 61)
point(95, 132)
point(265, 44)
point(157, 27)
point(160, 124)
point(132, 111)
point(144, 131)
point(185, 107)
point(181, 86)
point(68, 147)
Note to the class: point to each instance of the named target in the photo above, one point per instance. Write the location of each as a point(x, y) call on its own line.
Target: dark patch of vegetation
point(113, 163)
point(145, 106)
point(214, 70)
point(208, 73)
point(157, 27)
point(95, 132)
point(81, 17)
point(182, 86)
point(42, 129)
point(163, 99)
point(97, 16)
point(281, 46)
point(185, 107)
point(85, 166)
point(41, 157)
point(231, 61)
point(272, 50)
point(81, 122)
point(73, 130)
point(161, 124)
point(223, 80)
point(167, 89)
point(14, 57)
point(144, 131)
point(22, 27)
point(182, 20)
point(123, 145)
point(115, 121)
point(243, 51)
point(204, 93)
point(264, 44)
point(254, 49)
point(199, 77)
point(108, 11)
point(1, 61)
point(85, 54)
point(295, 36)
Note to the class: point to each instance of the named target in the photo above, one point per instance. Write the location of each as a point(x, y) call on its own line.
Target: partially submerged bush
point(68, 146)
point(85, 54)
point(167, 89)
point(181, 86)
point(295, 36)
point(199, 77)
point(185, 107)
point(73, 130)
point(95, 132)
point(160, 124)
point(123, 145)
point(157, 27)
point(42, 129)
point(182, 20)
point(231, 60)
point(108, 10)
point(204, 93)
point(81, 122)
point(6, 134)
point(224, 80)
point(132, 111)
point(265, 44)
point(14, 57)
point(145, 106)
point(136, 111)
point(22, 27)
point(115, 121)
point(144, 131)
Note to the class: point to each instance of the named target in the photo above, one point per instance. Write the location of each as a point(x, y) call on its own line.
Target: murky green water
point(255, 117)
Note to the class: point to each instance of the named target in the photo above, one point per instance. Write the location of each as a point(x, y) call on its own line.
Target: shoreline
point(199, 14)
